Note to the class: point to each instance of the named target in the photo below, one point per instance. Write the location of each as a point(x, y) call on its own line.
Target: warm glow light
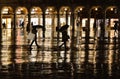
point(111, 9)
point(65, 9)
point(21, 9)
point(81, 9)
point(36, 9)
point(96, 9)
point(18, 12)
point(5, 11)
point(50, 9)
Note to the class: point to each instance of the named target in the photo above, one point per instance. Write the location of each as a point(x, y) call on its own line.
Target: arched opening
point(36, 16)
point(65, 17)
point(50, 21)
point(7, 17)
point(78, 20)
point(111, 17)
point(37, 19)
point(21, 17)
point(95, 19)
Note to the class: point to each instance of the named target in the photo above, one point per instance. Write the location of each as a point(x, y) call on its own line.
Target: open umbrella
point(63, 28)
point(116, 21)
point(38, 26)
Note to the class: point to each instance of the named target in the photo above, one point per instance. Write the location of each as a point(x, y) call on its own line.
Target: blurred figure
point(115, 27)
point(34, 31)
point(4, 25)
point(65, 38)
point(22, 24)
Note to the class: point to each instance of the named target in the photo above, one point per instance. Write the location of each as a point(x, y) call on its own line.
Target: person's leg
point(65, 46)
point(61, 45)
point(31, 43)
point(36, 43)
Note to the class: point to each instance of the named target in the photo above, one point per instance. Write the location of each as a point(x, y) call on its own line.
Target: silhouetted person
point(28, 28)
point(57, 29)
point(34, 31)
point(115, 27)
point(4, 25)
point(22, 24)
point(65, 38)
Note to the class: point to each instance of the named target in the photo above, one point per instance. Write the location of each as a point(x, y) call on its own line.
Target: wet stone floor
point(86, 56)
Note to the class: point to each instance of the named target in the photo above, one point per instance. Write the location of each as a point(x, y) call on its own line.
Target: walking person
point(65, 38)
point(34, 31)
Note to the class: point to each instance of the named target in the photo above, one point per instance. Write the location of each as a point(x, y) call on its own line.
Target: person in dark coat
point(65, 38)
point(34, 31)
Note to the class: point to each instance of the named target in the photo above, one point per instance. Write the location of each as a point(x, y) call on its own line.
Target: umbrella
point(63, 28)
point(38, 26)
point(116, 21)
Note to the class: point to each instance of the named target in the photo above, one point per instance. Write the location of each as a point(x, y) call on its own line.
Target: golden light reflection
point(6, 56)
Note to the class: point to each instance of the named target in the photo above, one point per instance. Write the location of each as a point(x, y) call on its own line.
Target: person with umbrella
point(65, 36)
point(34, 31)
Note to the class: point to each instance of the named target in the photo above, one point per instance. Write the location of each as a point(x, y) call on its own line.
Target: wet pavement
point(88, 56)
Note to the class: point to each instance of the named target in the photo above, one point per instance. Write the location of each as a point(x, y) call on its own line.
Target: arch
point(78, 8)
point(64, 12)
point(7, 10)
point(50, 21)
point(111, 15)
point(64, 9)
point(21, 16)
point(7, 16)
point(65, 17)
point(96, 12)
point(111, 12)
point(21, 10)
point(36, 15)
point(36, 10)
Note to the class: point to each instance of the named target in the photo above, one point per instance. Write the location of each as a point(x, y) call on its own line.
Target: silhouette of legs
point(34, 40)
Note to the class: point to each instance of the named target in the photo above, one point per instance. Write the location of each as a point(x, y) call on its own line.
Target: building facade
point(76, 13)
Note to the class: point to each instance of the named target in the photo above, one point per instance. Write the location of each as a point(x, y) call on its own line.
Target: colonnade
point(50, 17)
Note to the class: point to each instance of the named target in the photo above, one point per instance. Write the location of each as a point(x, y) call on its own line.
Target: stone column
point(29, 18)
point(44, 24)
point(58, 25)
point(88, 22)
point(14, 28)
point(0, 26)
point(119, 22)
point(0, 19)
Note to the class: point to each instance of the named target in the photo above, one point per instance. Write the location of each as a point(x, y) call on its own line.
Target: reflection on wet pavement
point(87, 57)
